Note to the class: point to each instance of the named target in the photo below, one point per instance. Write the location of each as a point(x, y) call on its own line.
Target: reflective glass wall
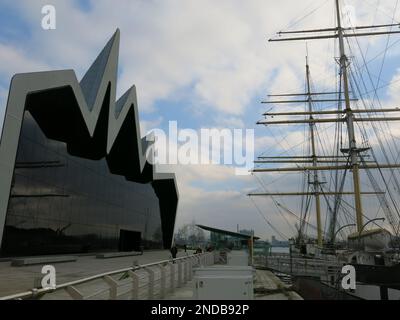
point(63, 204)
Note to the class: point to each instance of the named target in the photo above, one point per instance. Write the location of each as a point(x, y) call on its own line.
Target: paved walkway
point(267, 286)
point(19, 279)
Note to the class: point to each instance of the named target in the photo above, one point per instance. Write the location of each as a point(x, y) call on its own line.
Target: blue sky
point(204, 64)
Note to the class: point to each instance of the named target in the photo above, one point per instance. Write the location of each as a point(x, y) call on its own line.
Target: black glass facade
point(63, 204)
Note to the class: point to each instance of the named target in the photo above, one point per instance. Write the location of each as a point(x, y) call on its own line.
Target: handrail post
point(179, 274)
point(172, 271)
point(162, 280)
point(305, 267)
point(151, 282)
point(74, 293)
point(185, 270)
point(113, 287)
point(135, 285)
point(189, 275)
point(191, 268)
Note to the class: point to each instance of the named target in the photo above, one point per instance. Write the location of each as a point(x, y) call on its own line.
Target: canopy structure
point(224, 238)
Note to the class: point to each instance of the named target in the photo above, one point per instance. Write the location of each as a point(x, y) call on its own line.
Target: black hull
point(312, 289)
point(388, 276)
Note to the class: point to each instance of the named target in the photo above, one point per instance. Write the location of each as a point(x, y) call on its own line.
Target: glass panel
point(62, 204)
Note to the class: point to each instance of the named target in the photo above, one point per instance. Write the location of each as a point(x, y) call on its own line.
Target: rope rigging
point(338, 142)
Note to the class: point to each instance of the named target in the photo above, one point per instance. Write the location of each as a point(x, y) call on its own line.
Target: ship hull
point(388, 276)
point(311, 288)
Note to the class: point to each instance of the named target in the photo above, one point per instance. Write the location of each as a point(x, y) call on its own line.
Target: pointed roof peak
point(115, 36)
point(91, 81)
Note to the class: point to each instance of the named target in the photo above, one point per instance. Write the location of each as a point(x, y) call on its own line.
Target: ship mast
point(315, 182)
point(353, 151)
point(351, 155)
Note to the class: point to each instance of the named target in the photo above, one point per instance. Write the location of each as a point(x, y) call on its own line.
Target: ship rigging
point(349, 158)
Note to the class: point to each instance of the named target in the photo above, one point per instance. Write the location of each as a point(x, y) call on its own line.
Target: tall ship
point(348, 204)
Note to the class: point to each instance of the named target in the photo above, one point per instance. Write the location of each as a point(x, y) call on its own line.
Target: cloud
point(211, 57)
point(146, 126)
point(13, 61)
point(16, 61)
point(217, 206)
point(171, 45)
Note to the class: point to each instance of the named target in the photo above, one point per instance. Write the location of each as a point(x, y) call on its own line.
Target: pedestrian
point(174, 251)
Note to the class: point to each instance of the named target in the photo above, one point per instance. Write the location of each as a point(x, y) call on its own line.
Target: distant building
point(247, 232)
point(227, 239)
point(278, 243)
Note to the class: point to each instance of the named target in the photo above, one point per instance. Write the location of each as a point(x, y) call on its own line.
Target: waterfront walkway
point(19, 279)
point(145, 277)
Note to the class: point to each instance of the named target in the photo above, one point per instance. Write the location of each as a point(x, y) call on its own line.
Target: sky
point(204, 64)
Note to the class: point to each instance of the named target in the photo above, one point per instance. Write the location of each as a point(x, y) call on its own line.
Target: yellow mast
point(353, 151)
point(345, 162)
point(315, 182)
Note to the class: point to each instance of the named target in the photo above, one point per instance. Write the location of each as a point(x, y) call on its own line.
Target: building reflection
point(64, 204)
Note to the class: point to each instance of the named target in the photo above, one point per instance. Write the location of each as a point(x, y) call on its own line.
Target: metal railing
point(298, 266)
point(137, 282)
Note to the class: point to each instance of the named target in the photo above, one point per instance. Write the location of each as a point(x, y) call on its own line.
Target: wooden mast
point(353, 152)
point(350, 162)
point(315, 182)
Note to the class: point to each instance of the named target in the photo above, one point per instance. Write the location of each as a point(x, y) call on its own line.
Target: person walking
point(174, 251)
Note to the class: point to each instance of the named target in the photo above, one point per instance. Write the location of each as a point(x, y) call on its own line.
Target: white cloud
point(214, 51)
point(218, 49)
point(148, 125)
point(17, 61)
